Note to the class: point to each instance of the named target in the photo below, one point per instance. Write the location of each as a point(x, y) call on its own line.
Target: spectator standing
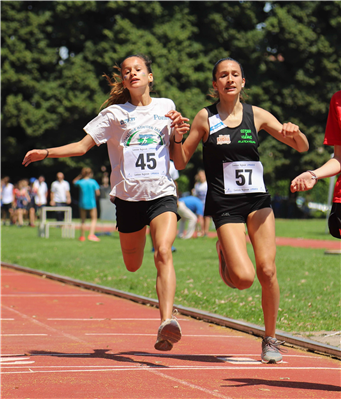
point(41, 192)
point(200, 191)
point(60, 195)
point(22, 200)
point(190, 209)
point(7, 200)
point(32, 205)
point(88, 190)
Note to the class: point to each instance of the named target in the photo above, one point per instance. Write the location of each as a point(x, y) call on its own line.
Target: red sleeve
point(333, 128)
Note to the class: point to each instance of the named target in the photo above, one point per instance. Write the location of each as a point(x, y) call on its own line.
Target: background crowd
point(21, 202)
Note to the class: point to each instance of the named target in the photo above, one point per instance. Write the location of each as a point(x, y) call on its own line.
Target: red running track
point(62, 341)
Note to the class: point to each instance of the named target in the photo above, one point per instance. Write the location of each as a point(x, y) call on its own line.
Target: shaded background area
point(54, 54)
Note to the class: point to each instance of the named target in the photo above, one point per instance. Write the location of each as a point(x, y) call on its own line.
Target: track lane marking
point(190, 385)
point(47, 327)
point(83, 369)
point(23, 335)
point(114, 319)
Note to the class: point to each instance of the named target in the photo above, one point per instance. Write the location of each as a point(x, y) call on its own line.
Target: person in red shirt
point(307, 180)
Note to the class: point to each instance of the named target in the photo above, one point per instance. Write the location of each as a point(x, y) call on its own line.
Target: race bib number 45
point(243, 177)
point(145, 162)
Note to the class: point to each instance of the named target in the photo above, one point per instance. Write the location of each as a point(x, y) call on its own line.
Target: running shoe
point(271, 350)
point(223, 269)
point(81, 238)
point(92, 237)
point(168, 334)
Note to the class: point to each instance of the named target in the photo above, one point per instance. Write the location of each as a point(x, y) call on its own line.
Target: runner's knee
point(244, 281)
point(132, 266)
point(266, 273)
point(162, 254)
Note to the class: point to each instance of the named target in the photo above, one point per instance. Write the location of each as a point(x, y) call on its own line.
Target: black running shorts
point(238, 210)
point(334, 220)
point(133, 216)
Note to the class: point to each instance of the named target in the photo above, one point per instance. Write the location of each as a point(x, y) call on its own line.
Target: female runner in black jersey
point(236, 191)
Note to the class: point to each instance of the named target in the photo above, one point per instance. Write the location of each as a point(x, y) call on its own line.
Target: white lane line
point(18, 362)
point(113, 319)
point(188, 384)
point(164, 369)
point(240, 360)
point(47, 327)
point(23, 335)
point(218, 355)
point(7, 319)
point(9, 359)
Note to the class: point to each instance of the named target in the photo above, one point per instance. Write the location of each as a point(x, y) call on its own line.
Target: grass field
point(309, 279)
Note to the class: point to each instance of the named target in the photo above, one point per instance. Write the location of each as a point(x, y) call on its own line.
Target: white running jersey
point(138, 148)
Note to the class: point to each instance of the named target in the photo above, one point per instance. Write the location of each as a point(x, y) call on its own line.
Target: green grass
point(309, 280)
point(315, 229)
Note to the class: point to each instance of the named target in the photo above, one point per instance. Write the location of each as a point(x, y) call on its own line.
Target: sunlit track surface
point(197, 314)
point(68, 340)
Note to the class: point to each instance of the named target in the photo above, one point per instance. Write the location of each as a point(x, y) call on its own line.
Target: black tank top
point(226, 144)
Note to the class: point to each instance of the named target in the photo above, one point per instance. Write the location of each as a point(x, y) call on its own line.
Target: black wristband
point(47, 153)
point(177, 142)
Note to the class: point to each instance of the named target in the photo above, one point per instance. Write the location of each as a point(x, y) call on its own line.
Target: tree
point(54, 55)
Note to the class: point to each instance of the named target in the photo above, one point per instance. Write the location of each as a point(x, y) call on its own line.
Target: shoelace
point(275, 345)
point(174, 314)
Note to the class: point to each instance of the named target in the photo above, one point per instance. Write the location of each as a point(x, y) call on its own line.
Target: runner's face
point(135, 73)
point(229, 80)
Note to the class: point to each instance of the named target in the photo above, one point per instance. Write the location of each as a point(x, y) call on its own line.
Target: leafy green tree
point(54, 54)
point(297, 79)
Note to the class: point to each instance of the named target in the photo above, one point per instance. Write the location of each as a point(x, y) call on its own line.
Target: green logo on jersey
point(246, 136)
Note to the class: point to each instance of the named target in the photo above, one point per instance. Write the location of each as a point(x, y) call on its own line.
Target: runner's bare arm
point(306, 180)
point(70, 150)
point(287, 133)
point(181, 154)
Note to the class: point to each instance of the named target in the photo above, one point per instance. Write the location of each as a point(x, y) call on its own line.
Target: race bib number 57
point(243, 177)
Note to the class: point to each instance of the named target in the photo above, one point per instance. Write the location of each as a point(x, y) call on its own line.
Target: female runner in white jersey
point(137, 130)
point(236, 192)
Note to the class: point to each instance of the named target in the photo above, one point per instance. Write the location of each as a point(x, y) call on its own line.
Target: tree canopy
point(54, 55)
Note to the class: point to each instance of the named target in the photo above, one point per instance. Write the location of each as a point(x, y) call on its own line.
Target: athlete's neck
point(229, 107)
point(140, 100)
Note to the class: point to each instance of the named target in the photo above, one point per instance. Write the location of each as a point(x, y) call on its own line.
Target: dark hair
point(214, 93)
point(118, 93)
point(226, 59)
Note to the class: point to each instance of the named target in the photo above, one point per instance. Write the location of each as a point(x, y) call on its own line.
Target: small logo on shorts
point(225, 214)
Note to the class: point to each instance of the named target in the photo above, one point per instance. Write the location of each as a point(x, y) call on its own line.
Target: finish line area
point(64, 341)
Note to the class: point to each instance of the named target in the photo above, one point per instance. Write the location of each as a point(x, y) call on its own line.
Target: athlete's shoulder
point(115, 108)
point(211, 108)
point(257, 111)
point(164, 101)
